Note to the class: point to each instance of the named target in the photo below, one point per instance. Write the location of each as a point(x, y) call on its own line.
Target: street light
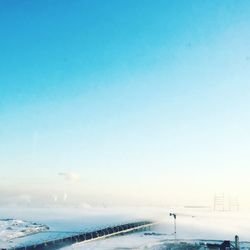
point(174, 215)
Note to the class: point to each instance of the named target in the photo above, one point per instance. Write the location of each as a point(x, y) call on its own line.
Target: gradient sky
point(142, 100)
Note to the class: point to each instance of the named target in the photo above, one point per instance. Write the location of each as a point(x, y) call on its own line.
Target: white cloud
point(70, 176)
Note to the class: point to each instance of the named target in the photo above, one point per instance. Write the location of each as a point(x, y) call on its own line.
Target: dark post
point(174, 215)
point(237, 242)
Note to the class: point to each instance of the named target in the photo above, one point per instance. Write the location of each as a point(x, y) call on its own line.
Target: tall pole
point(237, 242)
point(174, 215)
point(175, 228)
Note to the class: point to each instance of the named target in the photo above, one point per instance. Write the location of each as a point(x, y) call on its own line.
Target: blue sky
point(150, 94)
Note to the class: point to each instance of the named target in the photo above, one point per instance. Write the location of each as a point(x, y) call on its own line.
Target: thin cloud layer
point(70, 176)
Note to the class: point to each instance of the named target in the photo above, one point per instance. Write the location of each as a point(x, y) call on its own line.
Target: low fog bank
point(192, 223)
point(68, 198)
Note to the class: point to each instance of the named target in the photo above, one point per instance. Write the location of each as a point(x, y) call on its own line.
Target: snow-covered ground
point(131, 241)
point(146, 240)
point(11, 229)
point(191, 224)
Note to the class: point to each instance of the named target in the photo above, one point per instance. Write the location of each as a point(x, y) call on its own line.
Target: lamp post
point(174, 215)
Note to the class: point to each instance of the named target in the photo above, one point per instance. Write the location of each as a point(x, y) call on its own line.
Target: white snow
point(11, 229)
point(14, 228)
point(131, 241)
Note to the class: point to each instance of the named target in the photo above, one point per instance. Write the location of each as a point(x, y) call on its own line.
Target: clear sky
point(125, 100)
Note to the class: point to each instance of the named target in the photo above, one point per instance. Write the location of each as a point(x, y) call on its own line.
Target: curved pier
point(59, 240)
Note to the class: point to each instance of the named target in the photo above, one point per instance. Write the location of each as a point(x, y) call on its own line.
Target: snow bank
point(14, 228)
